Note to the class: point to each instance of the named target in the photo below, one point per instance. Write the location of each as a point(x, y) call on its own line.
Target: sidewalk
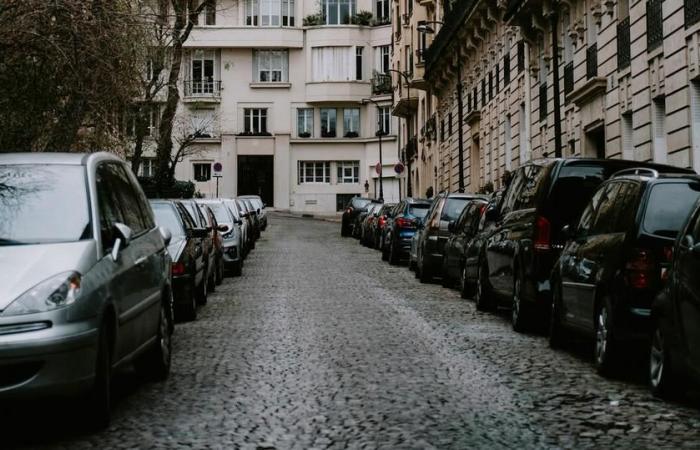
point(294, 215)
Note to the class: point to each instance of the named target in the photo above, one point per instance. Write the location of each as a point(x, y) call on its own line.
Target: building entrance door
point(255, 177)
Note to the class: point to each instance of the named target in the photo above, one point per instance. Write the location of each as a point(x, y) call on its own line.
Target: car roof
point(66, 158)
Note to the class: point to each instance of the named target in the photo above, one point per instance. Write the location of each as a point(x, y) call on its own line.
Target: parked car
point(253, 213)
point(243, 226)
point(80, 253)
point(404, 221)
point(186, 248)
point(247, 216)
point(674, 357)
point(354, 207)
point(613, 265)
point(430, 247)
point(543, 197)
point(259, 207)
point(462, 231)
point(212, 255)
point(360, 218)
point(230, 232)
point(366, 237)
point(377, 228)
point(213, 224)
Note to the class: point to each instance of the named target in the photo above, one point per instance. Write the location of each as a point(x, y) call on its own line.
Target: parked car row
point(603, 249)
point(93, 275)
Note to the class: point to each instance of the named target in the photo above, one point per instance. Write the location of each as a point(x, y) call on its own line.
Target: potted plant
point(362, 18)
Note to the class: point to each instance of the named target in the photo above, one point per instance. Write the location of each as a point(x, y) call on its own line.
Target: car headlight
point(56, 292)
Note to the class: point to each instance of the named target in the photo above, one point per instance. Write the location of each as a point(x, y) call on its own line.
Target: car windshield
point(233, 207)
point(190, 207)
point(668, 207)
point(419, 210)
point(32, 196)
point(453, 208)
point(167, 217)
point(220, 212)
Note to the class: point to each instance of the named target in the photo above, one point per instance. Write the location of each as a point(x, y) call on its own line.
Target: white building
point(283, 104)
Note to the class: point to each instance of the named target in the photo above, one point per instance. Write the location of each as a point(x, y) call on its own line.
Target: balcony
point(406, 99)
point(337, 91)
point(202, 90)
point(655, 25)
point(691, 11)
point(592, 61)
point(381, 84)
point(623, 44)
point(245, 37)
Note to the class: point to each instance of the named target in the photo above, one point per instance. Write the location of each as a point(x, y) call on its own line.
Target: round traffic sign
point(398, 168)
point(378, 169)
point(218, 167)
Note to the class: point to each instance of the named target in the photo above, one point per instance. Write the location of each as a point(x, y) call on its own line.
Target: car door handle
point(141, 261)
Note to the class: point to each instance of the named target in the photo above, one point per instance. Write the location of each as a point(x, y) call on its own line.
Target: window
point(382, 11)
point(133, 211)
point(305, 122)
point(627, 136)
point(358, 62)
point(695, 123)
point(328, 116)
point(269, 13)
point(202, 123)
point(208, 14)
point(384, 120)
point(449, 123)
point(314, 172)
point(255, 120)
point(202, 171)
point(203, 71)
point(607, 210)
point(483, 91)
point(151, 117)
point(338, 12)
point(475, 96)
point(147, 168)
point(521, 56)
point(658, 125)
point(348, 172)
point(270, 66)
point(383, 58)
point(333, 63)
point(490, 86)
point(351, 122)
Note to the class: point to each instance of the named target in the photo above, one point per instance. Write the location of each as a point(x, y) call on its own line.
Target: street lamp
point(380, 132)
point(423, 27)
point(407, 79)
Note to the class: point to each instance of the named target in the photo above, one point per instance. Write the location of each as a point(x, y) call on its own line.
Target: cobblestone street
point(321, 344)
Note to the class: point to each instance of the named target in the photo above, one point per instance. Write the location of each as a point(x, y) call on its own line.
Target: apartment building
point(288, 98)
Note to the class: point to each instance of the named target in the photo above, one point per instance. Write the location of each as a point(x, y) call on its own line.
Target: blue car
point(402, 227)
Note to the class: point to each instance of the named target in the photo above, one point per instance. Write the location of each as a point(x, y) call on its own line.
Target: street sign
point(398, 168)
point(218, 168)
point(378, 169)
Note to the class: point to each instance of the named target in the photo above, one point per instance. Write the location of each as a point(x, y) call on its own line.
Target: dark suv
point(542, 197)
point(401, 226)
point(434, 232)
point(353, 209)
point(615, 263)
point(675, 344)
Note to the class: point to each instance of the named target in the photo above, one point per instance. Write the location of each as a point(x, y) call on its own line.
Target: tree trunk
point(142, 119)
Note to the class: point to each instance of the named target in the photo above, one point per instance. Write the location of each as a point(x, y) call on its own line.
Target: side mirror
point(223, 228)
point(198, 233)
point(166, 235)
point(451, 226)
point(689, 241)
point(123, 240)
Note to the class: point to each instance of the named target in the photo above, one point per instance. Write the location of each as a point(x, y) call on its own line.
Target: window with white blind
point(348, 172)
point(270, 66)
point(314, 172)
point(658, 128)
point(255, 120)
point(305, 122)
point(351, 122)
point(333, 63)
point(328, 122)
point(269, 13)
point(627, 136)
point(695, 123)
point(384, 120)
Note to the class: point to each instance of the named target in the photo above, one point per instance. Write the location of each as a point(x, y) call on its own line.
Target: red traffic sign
point(378, 169)
point(398, 168)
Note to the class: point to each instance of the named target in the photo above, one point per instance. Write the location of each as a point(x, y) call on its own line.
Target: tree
point(66, 72)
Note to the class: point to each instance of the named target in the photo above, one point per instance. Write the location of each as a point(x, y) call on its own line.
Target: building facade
point(288, 98)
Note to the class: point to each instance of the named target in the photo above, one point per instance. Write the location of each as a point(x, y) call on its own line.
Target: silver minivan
point(85, 279)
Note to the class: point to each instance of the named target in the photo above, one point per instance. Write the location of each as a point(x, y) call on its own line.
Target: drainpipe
point(554, 17)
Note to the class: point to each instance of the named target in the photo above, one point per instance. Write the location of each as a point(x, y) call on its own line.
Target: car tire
point(211, 284)
point(663, 381)
point(385, 254)
point(519, 308)
point(482, 294)
point(393, 256)
point(344, 231)
point(219, 271)
point(466, 289)
point(203, 289)
point(425, 276)
point(557, 333)
point(605, 348)
point(188, 312)
point(155, 363)
point(99, 399)
point(446, 280)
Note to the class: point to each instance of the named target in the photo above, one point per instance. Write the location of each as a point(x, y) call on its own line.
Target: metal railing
point(381, 84)
point(592, 61)
point(623, 44)
point(202, 88)
point(568, 78)
point(655, 24)
point(691, 11)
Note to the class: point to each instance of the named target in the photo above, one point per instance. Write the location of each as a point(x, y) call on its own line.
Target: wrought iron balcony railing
point(381, 84)
point(623, 44)
point(202, 88)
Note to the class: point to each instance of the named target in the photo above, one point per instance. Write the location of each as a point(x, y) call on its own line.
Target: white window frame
point(270, 13)
point(385, 4)
point(305, 121)
point(253, 120)
point(274, 63)
point(205, 168)
point(382, 62)
point(209, 12)
point(147, 169)
point(308, 172)
point(201, 83)
point(384, 119)
point(328, 121)
point(348, 172)
point(351, 121)
point(327, 7)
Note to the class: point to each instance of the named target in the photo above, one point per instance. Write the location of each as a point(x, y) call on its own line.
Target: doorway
point(255, 177)
point(595, 141)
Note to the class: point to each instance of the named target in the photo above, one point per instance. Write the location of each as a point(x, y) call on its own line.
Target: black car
point(186, 250)
point(372, 215)
point(543, 196)
point(361, 216)
point(401, 227)
point(377, 227)
point(247, 215)
point(354, 207)
point(612, 267)
point(254, 215)
point(434, 232)
point(674, 356)
point(462, 232)
point(211, 254)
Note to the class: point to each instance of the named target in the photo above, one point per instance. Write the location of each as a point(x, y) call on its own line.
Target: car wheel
point(188, 312)
point(557, 333)
point(466, 289)
point(98, 410)
point(482, 296)
point(425, 276)
point(155, 363)
point(518, 312)
point(662, 379)
point(393, 255)
point(219, 272)
point(605, 351)
point(446, 280)
point(203, 289)
point(344, 231)
point(211, 283)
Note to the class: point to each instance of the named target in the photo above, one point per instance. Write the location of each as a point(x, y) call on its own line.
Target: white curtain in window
point(333, 63)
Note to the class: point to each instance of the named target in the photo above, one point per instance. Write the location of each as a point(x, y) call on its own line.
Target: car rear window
point(166, 217)
point(572, 191)
point(668, 206)
point(453, 208)
point(419, 210)
point(360, 202)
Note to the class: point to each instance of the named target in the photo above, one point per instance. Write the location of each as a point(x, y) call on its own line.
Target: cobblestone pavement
point(322, 345)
